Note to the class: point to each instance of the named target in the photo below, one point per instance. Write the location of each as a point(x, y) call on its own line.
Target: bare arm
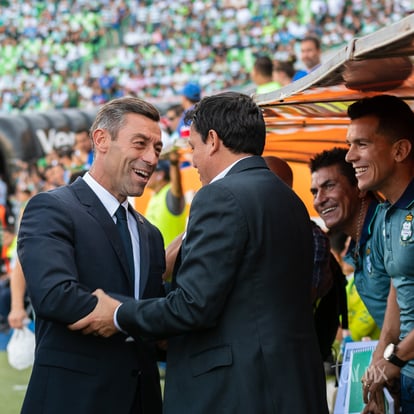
point(390, 331)
point(17, 313)
point(175, 175)
point(382, 371)
point(171, 256)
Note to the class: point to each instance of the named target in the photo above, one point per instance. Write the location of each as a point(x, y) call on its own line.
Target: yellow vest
point(360, 322)
point(169, 224)
point(268, 87)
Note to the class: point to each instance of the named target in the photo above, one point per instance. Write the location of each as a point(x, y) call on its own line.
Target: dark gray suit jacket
point(69, 246)
point(240, 321)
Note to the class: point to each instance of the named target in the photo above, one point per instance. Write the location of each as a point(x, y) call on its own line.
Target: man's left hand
point(377, 375)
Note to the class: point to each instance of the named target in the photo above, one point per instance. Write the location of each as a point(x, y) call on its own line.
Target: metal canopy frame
point(310, 114)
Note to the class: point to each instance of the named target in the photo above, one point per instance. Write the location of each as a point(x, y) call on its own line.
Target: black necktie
point(122, 224)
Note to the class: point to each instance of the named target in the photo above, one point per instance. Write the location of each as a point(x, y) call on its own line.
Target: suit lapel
point(96, 209)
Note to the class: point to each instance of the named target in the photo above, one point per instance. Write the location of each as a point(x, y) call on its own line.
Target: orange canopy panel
point(306, 123)
point(301, 144)
point(298, 144)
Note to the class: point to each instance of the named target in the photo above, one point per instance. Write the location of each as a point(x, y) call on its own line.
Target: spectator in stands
point(83, 152)
point(54, 175)
point(65, 155)
point(69, 40)
point(190, 95)
point(262, 75)
point(19, 302)
point(173, 115)
point(20, 309)
point(310, 55)
point(107, 81)
point(7, 251)
point(283, 72)
point(4, 192)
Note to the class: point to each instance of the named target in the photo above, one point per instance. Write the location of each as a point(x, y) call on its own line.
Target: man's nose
point(151, 156)
point(350, 155)
point(318, 198)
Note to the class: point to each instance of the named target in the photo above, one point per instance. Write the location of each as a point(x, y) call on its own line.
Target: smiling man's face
point(371, 154)
point(124, 165)
point(335, 199)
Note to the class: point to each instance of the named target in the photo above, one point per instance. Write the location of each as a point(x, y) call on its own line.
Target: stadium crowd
point(78, 53)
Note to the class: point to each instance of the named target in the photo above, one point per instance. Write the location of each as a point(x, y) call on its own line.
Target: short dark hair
point(111, 116)
point(264, 66)
point(314, 39)
point(285, 66)
point(235, 117)
point(177, 109)
point(396, 119)
point(334, 156)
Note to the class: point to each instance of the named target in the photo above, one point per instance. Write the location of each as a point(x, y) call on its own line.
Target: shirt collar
point(369, 220)
point(226, 170)
point(107, 199)
point(407, 198)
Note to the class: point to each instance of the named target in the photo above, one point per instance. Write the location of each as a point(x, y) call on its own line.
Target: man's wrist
point(117, 326)
point(390, 355)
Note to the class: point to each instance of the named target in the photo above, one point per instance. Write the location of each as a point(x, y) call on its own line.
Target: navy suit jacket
point(241, 324)
point(69, 246)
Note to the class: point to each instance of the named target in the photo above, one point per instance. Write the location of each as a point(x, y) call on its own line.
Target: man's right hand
point(17, 318)
point(100, 322)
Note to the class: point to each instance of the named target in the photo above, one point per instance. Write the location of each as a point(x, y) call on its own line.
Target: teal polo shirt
point(397, 239)
point(370, 278)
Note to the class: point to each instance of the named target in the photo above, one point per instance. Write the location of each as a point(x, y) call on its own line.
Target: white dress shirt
point(111, 204)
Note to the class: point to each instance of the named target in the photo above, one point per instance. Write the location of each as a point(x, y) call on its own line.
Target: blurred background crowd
point(81, 53)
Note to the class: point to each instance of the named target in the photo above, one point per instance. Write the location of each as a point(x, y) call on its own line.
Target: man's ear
point(213, 141)
point(402, 148)
point(101, 139)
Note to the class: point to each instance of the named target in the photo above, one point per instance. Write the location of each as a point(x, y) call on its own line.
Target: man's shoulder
point(47, 196)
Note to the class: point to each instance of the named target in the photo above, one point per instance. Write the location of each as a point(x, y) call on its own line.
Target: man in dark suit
point(240, 328)
point(69, 245)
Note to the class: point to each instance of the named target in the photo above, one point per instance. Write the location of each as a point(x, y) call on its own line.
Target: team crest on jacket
point(407, 228)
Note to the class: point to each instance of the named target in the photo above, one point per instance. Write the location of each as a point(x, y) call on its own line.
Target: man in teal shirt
point(381, 148)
